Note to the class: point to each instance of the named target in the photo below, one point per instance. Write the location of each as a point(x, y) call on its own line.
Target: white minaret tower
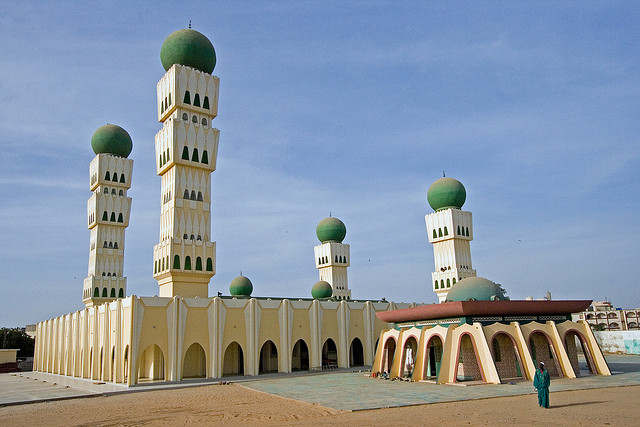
point(108, 215)
point(450, 229)
point(332, 256)
point(186, 151)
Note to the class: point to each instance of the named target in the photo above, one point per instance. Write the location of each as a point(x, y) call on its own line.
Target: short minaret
point(332, 256)
point(186, 150)
point(108, 215)
point(450, 229)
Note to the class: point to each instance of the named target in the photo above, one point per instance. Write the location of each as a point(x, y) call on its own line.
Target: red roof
point(483, 308)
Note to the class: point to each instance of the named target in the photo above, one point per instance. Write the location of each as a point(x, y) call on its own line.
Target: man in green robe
point(541, 382)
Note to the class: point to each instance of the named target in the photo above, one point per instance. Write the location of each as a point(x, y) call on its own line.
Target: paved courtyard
point(341, 390)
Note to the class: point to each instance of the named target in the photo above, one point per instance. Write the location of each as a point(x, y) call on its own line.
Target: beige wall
point(150, 336)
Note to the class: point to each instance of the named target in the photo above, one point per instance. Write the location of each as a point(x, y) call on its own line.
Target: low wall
point(626, 342)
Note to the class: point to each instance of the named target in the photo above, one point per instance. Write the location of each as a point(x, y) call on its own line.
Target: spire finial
point(329, 214)
point(241, 272)
point(189, 23)
point(443, 175)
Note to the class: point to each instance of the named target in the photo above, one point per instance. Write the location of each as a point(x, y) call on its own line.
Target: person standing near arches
point(541, 382)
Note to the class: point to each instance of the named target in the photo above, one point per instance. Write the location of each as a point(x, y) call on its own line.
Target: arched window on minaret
point(107, 176)
point(467, 231)
point(176, 262)
point(187, 97)
point(439, 232)
point(204, 121)
point(113, 292)
point(194, 157)
point(435, 284)
point(194, 119)
point(193, 195)
point(198, 264)
point(458, 230)
point(209, 264)
point(113, 217)
point(113, 191)
point(448, 283)
point(205, 103)
point(121, 294)
point(96, 293)
point(120, 193)
point(205, 157)
point(120, 219)
point(187, 262)
point(446, 232)
point(185, 153)
point(106, 190)
point(185, 117)
point(104, 292)
point(196, 100)
point(435, 234)
point(186, 196)
point(115, 177)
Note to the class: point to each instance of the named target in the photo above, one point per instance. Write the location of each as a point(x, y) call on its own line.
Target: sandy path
point(231, 404)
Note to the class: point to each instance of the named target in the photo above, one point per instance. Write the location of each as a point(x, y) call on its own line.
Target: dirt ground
point(233, 404)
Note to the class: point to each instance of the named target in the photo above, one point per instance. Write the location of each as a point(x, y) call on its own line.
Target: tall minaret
point(332, 256)
point(108, 214)
point(450, 229)
point(186, 151)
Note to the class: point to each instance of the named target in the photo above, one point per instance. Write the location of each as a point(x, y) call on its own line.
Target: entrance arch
point(432, 367)
point(409, 352)
point(268, 358)
point(126, 364)
point(233, 360)
point(329, 354)
point(542, 351)
point(195, 362)
point(468, 365)
point(300, 356)
point(571, 339)
point(356, 353)
point(151, 365)
point(388, 352)
point(506, 357)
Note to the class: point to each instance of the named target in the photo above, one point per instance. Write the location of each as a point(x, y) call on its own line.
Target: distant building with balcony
point(603, 315)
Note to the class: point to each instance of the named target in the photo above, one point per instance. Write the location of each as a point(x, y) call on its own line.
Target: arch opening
point(268, 358)
point(572, 340)
point(542, 351)
point(151, 364)
point(432, 367)
point(233, 360)
point(468, 365)
point(356, 353)
point(506, 357)
point(388, 353)
point(329, 354)
point(300, 356)
point(195, 362)
point(409, 352)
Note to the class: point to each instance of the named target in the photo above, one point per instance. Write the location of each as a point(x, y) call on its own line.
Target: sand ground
point(234, 404)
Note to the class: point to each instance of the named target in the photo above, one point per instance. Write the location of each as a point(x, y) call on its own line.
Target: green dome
point(475, 289)
point(188, 47)
point(446, 193)
point(241, 287)
point(111, 139)
point(321, 290)
point(331, 230)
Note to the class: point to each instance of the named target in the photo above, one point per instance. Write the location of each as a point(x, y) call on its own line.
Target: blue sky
point(352, 108)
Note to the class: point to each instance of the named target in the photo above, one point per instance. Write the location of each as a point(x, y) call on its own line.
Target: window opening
point(194, 157)
point(196, 100)
point(205, 103)
point(205, 157)
point(187, 262)
point(198, 264)
point(185, 153)
point(187, 97)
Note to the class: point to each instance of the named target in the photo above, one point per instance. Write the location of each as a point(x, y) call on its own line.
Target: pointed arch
point(268, 361)
point(187, 262)
point(209, 264)
point(104, 292)
point(121, 293)
point(194, 364)
point(185, 153)
point(233, 361)
point(187, 97)
point(198, 264)
point(151, 364)
point(107, 176)
point(434, 357)
point(196, 100)
point(205, 157)
point(300, 356)
point(194, 156)
point(176, 262)
point(356, 353)
point(205, 103)
point(329, 354)
point(113, 293)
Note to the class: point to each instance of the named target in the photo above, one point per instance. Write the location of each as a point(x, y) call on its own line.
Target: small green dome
point(475, 289)
point(331, 230)
point(188, 47)
point(241, 287)
point(111, 139)
point(321, 290)
point(446, 193)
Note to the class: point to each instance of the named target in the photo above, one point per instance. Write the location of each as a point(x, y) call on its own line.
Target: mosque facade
point(477, 333)
point(183, 333)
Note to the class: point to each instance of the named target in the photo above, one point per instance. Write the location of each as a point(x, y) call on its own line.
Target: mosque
point(475, 333)
point(183, 333)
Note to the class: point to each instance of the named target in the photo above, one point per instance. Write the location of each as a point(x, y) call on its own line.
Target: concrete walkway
point(341, 390)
